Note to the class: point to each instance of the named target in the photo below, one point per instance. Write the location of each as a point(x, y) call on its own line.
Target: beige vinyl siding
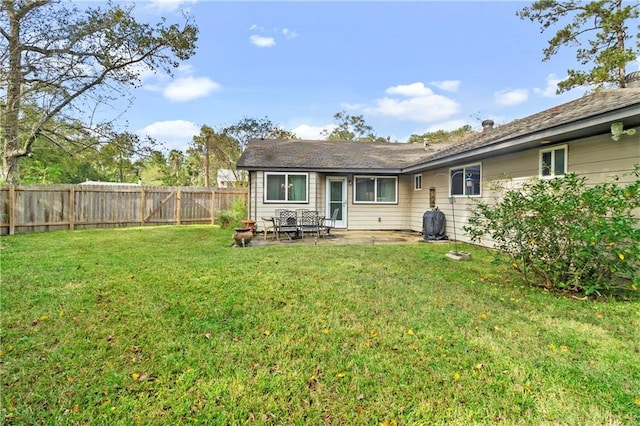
point(598, 158)
point(515, 167)
point(439, 179)
point(382, 216)
point(259, 208)
point(419, 203)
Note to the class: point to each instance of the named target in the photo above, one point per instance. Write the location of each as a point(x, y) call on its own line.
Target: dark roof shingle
point(331, 155)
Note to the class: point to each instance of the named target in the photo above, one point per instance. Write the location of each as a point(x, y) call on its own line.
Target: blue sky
point(407, 67)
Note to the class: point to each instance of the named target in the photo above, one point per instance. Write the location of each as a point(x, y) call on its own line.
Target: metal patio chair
point(329, 223)
point(310, 223)
point(287, 224)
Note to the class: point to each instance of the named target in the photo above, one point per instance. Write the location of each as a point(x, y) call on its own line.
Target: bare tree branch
point(61, 60)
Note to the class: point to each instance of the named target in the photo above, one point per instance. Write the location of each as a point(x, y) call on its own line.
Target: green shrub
point(225, 218)
point(563, 235)
point(231, 218)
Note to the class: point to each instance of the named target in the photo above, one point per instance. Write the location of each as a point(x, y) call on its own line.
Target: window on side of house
point(286, 188)
point(375, 189)
point(417, 182)
point(465, 181)
point(553, 162)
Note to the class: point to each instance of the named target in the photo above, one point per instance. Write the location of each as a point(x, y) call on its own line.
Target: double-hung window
point(465, 181)
point(375, 189)
point(286, 187)
point(553, 162)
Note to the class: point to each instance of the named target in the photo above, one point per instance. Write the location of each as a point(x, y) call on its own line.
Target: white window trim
point(553, 150)
point(417, 178)
point(464, 167)
point(375, 189)
point(286, 179)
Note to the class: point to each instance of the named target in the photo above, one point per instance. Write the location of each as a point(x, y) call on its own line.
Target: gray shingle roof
point(268, 154)
point(394, 157)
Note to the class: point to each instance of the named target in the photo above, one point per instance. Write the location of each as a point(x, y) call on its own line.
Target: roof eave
point(350, 170)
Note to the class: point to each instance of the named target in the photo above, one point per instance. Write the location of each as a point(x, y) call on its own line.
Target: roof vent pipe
point(487, 125)
point(633, 79)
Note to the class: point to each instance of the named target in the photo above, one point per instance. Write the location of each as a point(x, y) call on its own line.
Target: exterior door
point(337, 199)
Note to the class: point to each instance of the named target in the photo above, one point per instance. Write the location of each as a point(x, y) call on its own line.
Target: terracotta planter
point(251, 224)
point(243, 236)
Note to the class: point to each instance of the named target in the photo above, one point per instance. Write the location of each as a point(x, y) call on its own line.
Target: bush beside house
point(564, 235)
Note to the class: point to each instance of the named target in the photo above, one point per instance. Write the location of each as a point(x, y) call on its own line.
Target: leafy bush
point(231, 218)
point(563, 235)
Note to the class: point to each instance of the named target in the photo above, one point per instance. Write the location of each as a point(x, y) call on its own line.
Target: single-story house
point(389, 186)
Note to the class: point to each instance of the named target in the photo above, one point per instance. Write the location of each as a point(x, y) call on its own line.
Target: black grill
point(433, 225)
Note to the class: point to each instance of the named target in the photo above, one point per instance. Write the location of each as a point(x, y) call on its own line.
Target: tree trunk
point(10, 142)
point(620, 46)
point(206, 163)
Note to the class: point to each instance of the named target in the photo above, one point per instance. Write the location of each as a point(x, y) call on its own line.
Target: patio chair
point(287, 223)
point(310, 222)
point(329, 223)
point(268, 225)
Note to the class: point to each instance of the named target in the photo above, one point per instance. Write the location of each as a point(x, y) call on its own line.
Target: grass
point(170, 325)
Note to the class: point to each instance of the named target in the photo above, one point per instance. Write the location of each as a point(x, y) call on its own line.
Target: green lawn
point(171, 325)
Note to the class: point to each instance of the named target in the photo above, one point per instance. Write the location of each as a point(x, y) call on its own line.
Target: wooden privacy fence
point(42, 208)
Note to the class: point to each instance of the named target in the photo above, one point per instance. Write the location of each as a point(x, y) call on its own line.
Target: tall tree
point(606, 52)
point(64, 62)
point(351, 128)
point(153, 168)
point(217, 151)
point(175, 160)
point(256, 128)
point(117, 160)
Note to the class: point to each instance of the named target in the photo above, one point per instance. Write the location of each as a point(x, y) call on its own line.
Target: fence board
point(42, 208)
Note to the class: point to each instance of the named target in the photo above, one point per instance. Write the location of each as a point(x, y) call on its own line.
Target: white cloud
point(447, 85)
point(549, 91)
point(288, 33)
point(157, 81)
point(260, 41)
point(175, 134)
point(188, 88)
point(306, 131)
point(168, 5)
point(409, 90)
point(268, 37)
point(420, 105)
point(511, 97)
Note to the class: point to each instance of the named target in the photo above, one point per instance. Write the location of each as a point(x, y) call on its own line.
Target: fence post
point(179, 207)
point(213, 206)
point(12, 206)
point(142, 205)
point(71, 208)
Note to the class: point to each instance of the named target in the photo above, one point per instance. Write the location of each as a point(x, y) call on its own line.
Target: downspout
point(255, 198)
